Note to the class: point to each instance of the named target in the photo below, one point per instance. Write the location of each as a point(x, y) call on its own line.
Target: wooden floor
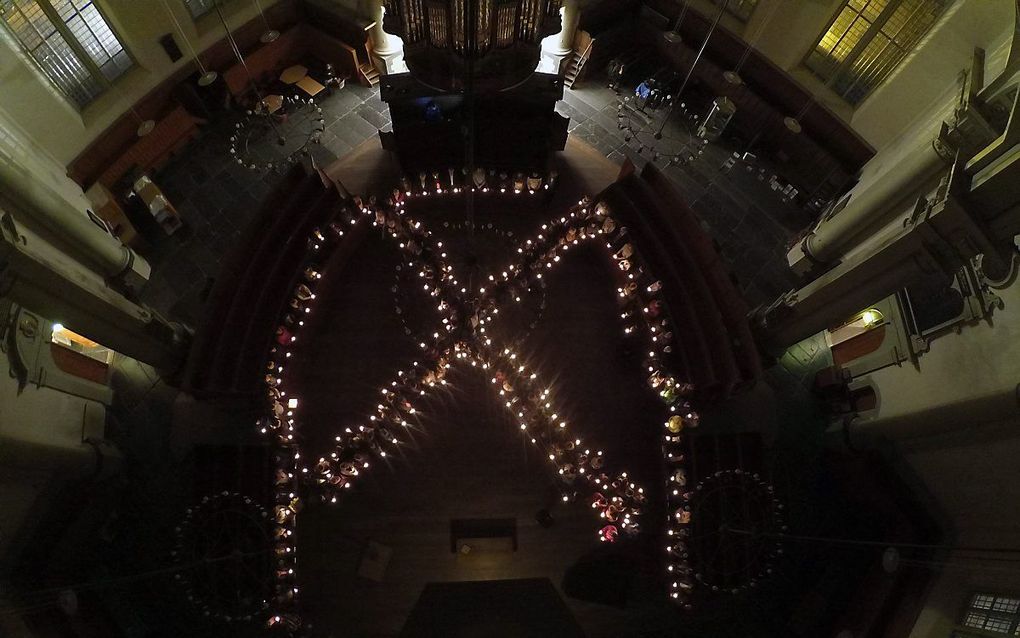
point(468, 460)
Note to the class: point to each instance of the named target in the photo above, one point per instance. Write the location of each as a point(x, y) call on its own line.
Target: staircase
point(579, 56)
point(369, 73)
point(366, 70)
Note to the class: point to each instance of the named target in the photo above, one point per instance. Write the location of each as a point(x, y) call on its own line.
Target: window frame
point(861, 46)
point(962, 630)
point(84, 58)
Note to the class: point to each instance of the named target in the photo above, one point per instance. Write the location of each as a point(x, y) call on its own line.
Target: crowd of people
point(280, 421)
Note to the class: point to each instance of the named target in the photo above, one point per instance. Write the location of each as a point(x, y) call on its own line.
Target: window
point(70, 41)
point(199, 8)
point(742, 9)
point(867, 40)
point(990, 615)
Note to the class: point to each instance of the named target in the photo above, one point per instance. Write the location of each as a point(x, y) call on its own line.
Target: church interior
point(510, 318)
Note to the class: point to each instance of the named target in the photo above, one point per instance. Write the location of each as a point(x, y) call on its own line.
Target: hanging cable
point(207, 77)
point(690, 71)
point(240, 58)
point(757, 36)
point(866, 543)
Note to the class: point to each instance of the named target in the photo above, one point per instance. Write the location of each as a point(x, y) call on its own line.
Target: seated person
point(643, 92)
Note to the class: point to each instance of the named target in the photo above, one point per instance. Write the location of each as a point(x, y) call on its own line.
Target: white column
point(56, 262)
point(388, 49)
point(559, 45)
point(31, 185)
point(871, 205)
point(570, 17)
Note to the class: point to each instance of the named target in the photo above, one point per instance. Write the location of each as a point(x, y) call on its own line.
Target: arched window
point(867, 40)
point(70, 41)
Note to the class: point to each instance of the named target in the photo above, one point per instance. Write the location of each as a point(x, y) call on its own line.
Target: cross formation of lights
point(400, 288)
point(464, 340)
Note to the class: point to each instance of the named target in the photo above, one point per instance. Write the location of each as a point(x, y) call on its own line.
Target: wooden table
point(107, 208)
point(310, 86)
point(461, 528)
point(272, 103)
point(159, 207)
point(293, 74)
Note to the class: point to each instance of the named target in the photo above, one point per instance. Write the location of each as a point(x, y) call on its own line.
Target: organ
point(452, 44)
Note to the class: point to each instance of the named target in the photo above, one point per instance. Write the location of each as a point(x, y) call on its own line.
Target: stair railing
point(581, 61)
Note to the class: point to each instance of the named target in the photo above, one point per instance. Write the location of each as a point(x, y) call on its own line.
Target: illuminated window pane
point(975, 620)
point(992, 615)
point(1007, 605)
point(46, 30)
point(1000, 625)
point(873, 9)
point(982, 601)
point(867, 40)
point(89, 28)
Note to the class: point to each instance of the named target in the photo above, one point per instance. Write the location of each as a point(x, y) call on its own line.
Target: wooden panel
point(604, 15)
point(154, 149)
point(337, 21)
point(263, 61)
point(77, 364)
point(475, 528)
point(856, 347)
point(330, 49)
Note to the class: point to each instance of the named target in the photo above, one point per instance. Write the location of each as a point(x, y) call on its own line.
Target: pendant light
point(690, 71)
point(270, 34)
point(144, 126)
point(206, 76)
point(733, 77)
point(674, 35)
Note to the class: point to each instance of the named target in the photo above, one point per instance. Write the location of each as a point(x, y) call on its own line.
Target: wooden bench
point(294, 46)
point(171, 134)
point(461, 528)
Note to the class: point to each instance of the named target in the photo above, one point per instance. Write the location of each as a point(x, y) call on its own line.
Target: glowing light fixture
point(871, 317)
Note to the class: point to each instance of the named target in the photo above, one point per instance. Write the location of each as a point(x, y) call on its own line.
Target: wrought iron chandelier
point(262, 140)
point(277, 130)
